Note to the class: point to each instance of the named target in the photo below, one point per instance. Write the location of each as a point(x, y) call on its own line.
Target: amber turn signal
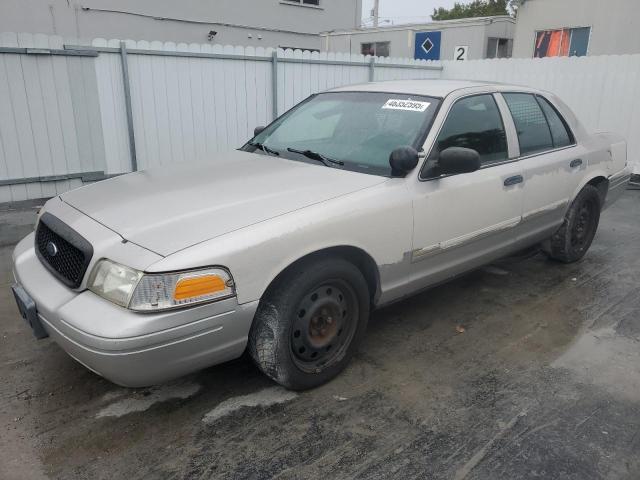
point(192, 287)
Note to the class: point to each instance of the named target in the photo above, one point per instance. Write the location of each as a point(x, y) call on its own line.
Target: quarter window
point(534, 134)
point(474, 122)
point(559, 132)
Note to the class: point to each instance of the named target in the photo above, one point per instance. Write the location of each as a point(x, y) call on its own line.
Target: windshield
point(357, 130)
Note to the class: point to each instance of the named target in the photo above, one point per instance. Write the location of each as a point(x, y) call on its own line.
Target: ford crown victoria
point(355, 198)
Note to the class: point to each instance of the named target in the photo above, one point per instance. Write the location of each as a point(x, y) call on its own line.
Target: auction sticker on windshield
point(411, 105)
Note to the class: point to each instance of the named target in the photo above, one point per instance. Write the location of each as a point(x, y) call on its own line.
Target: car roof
point(429, 87)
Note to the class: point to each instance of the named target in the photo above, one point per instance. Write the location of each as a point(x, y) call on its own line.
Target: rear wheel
point(310, 322)
point(574, 237)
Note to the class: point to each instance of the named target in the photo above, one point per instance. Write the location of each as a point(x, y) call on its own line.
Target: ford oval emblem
point(52, 249)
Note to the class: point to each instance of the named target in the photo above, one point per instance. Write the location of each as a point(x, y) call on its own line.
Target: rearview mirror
point(258, 130)
point(454, 160)
point(403, 160)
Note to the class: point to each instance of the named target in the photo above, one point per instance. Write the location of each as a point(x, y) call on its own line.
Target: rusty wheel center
point(325, 323)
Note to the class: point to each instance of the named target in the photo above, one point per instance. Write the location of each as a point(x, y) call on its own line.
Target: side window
point(533, 132)
point(559, 131)
point(474, 122)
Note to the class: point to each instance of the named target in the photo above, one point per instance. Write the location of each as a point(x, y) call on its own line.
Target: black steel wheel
point(573, 239)
point(584, 227)
point(310, 322)
point(324, 325)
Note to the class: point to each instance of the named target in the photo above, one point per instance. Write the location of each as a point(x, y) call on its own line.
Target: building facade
point(576, 28)
point(486, 37)
point(266, 23)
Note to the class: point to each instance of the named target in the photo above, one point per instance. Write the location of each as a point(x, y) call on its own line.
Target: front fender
point(378, 221)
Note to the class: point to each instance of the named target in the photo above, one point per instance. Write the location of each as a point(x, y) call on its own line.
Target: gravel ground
point(524, 369)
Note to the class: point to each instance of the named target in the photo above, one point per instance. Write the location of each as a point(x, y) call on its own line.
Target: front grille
point(62, 250)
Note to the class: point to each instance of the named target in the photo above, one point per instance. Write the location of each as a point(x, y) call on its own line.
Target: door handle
point(513, 180)
point(575, 163)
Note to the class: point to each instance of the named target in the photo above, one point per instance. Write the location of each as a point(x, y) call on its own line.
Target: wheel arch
point(602, 184)
point(355, 255)
point(598, 180)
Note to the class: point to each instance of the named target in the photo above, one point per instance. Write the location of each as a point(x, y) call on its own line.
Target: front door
point(462, 220)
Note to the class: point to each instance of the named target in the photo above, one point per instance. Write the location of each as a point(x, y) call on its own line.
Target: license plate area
point(29, 312)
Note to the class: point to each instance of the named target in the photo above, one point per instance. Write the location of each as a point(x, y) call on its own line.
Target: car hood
point(167, 209)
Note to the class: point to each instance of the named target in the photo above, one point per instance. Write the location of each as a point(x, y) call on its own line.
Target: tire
point(310, 322)
point(572, 240)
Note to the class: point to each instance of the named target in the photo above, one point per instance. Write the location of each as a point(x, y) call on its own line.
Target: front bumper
point(128, 348)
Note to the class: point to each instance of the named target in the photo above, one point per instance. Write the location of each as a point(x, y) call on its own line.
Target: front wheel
point(574, 237)
point(308, 325)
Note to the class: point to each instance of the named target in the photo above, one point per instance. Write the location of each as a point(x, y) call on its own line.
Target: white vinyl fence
point(210, 97)
point(603, 91)
point(75, 113)
point(49, 119)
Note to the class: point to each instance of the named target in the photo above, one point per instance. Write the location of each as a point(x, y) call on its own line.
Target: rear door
point(548, 160)
point(464, 220)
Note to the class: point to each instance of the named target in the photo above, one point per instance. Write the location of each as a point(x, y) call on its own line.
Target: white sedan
point(355, 198)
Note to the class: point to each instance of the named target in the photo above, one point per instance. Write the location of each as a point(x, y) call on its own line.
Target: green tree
point(477, 8)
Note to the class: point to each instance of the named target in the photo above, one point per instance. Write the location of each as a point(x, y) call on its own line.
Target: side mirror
point(403, 160)
point(257, 130)
point(454, 160)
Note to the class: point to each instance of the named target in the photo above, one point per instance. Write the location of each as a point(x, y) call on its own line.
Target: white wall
point(473, 33)
point(614, 24)
point(266, 23)
point(602, 91)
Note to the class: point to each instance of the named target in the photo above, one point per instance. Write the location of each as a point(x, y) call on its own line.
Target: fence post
point(127, 101)
point(274, 82)
point(372, 69)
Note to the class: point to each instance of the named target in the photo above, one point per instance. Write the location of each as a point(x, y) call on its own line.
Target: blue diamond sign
point(427, 46)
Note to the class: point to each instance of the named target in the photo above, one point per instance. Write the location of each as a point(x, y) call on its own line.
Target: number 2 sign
point(461, 52)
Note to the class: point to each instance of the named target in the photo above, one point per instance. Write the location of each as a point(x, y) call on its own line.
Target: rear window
point(534, 134)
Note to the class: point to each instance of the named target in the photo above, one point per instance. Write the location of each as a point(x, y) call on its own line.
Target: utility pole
point(375, 12)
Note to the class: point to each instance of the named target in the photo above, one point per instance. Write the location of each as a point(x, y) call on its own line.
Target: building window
point(376, 49)
point(305, 2)
point(563, 42)
point(499, 47)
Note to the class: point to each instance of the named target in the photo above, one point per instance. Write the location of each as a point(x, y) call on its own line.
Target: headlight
point(114, 282)
point(150, 292)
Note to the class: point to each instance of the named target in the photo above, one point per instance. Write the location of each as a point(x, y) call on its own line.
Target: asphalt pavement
point(525, 369)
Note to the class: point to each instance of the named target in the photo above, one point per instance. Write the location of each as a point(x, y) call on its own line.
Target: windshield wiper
point(264, 148)
point(316, 156)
